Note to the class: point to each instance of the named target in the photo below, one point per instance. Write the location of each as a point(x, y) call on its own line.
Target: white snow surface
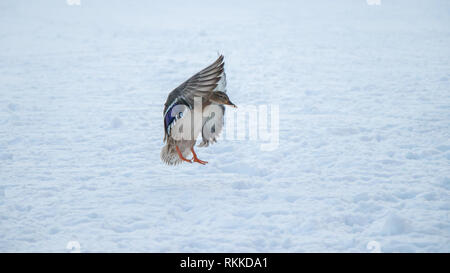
point(364, 98)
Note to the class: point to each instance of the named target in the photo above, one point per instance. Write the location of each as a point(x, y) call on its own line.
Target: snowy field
point(364, 126)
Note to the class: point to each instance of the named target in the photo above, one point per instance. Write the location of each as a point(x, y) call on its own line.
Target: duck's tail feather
point(169, 154)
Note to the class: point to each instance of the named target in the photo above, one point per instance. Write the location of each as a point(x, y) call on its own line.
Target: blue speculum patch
point(172, 115)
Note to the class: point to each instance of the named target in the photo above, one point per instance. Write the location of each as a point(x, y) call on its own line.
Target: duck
point(196, 107)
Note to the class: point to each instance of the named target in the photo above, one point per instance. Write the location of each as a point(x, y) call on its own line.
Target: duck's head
point(220, 97)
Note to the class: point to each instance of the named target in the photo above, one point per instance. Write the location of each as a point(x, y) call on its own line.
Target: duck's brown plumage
point(210, 79)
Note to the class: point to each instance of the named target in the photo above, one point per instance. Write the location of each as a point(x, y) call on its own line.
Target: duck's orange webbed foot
point(195, 158)
point(181, 155)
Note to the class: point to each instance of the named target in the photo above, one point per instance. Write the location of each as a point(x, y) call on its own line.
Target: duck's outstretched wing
point(213, 124)
point(209, 79)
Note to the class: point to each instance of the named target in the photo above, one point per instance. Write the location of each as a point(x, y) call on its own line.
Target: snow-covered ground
point(364, 126)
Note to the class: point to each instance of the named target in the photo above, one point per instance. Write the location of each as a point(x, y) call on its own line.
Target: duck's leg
point(196, 158)
point(181, 155)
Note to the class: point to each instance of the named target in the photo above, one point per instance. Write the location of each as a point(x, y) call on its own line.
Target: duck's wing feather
point(213, 124)
point(209, 79)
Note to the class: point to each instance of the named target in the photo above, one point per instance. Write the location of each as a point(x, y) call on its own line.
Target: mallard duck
point(194, 107)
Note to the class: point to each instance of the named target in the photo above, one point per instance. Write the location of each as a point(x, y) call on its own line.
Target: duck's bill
point(232, 105)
